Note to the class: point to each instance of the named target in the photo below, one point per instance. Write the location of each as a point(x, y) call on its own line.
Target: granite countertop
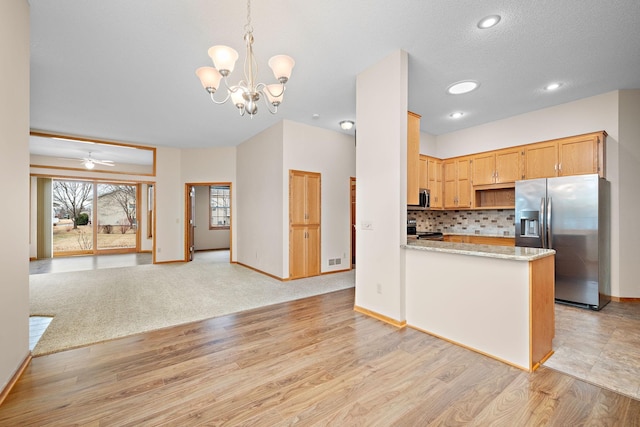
point(491, 251)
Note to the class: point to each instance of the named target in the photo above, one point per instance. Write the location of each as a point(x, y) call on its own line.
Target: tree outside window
point(220, 204)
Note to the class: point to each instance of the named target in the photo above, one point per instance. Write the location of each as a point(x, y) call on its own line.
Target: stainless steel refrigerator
point(570, 215)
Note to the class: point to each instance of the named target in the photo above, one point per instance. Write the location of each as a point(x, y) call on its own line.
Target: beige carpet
point(98, 305)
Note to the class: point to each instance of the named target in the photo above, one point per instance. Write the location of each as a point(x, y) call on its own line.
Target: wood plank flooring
point(308, 362)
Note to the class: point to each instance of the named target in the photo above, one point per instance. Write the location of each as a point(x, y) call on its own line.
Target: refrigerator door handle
point(541, 226)
point(549, 231)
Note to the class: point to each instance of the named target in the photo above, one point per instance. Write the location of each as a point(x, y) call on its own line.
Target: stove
point(430, 235)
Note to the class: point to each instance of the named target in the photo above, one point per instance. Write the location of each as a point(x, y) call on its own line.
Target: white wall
point(14, 186)
point(260, 202)
point(207, 165)
point(428, 144)
point(628, 192)
point(205, 238)
point(381, 117)
point(333, 155)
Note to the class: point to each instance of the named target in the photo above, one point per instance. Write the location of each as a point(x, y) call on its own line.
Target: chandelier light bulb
point(89, 164)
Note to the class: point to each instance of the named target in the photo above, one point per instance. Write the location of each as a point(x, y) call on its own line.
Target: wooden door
point(297, 251)
point(313, 251)
point(578, 156)
point(297, 194)
point(192, 221)
point(541, 160)
point(508, 165)
point(353, 221)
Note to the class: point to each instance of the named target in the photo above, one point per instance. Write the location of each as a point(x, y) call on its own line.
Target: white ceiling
point(125, 70)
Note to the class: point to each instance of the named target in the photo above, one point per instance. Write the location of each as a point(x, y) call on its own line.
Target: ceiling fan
point(89, 162)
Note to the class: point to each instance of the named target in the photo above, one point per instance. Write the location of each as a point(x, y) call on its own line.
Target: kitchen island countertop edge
point(515, 253)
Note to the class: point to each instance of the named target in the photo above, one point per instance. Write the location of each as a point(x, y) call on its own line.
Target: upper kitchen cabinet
point(497, 167)
point(457, 182)
point(413, 158)
point(424, 171)
point(576, 155)
point(434, 182)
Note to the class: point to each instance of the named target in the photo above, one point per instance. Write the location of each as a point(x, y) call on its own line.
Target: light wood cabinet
point(480, 240)
point(577, 155)
point(413, 158)
point(304, 224)
point(497, 167)
point(457, 182)
point(434, 182)
point(424, 172)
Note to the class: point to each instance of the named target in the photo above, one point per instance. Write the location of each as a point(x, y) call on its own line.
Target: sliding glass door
point(94, 217)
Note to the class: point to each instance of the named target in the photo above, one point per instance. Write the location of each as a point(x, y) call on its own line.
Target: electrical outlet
point(366, 225)
point(379, 288)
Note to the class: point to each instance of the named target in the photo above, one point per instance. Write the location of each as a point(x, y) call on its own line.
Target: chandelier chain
point(247, 27)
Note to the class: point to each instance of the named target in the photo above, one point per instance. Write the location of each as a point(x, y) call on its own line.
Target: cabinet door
point(484, 167)
point(297, 202)
point(312, 196)
point(464, 182)
point(413, 158)
point(450, 183)
point(297, 252)
point(435, 182)
point(313, 251)
point(578, 156)
point(424, 172)
point(508, 166)
point(541, 160)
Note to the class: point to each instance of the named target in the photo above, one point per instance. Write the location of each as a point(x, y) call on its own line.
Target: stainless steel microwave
point(423, 200)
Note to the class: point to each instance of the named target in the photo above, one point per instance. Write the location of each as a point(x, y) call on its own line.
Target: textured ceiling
point(124, 70)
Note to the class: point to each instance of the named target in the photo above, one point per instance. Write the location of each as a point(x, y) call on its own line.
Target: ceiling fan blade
point(103, 162)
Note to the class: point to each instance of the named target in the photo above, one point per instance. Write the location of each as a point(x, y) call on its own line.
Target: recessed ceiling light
point(346, 124)
point(553, 86)
point(462, 87)
point(488, 22)
point(456, 115)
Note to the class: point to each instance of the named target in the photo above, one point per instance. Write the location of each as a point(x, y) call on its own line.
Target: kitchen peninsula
point(496, 300)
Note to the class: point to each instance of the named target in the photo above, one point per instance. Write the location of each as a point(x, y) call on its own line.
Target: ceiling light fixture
point(346, 124)
point(488, 22)
point(456, 115)
point(246, 94)
point(552, 86)
point(465, 86)
point(89, 164)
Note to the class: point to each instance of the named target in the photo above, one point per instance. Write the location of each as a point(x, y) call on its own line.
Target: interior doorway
point(208, 224)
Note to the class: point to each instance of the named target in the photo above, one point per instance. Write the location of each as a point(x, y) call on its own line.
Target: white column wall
point(14, 186)
point(381, 170)
point(333, 155)
point(169, 200)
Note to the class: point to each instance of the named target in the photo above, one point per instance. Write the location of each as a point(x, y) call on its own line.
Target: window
point(220, 203)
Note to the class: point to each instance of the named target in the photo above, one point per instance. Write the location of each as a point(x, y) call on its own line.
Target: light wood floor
point(307, 362)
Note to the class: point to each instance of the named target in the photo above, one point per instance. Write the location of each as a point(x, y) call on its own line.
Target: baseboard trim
point(381, 317)
point(15, 378)
point(261, 272)
point(622, 299)
point(335, 271)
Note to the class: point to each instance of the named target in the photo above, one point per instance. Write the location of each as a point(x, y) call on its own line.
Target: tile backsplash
point(498, 222)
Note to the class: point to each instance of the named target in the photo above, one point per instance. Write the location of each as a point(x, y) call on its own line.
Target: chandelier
point(246, 94)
